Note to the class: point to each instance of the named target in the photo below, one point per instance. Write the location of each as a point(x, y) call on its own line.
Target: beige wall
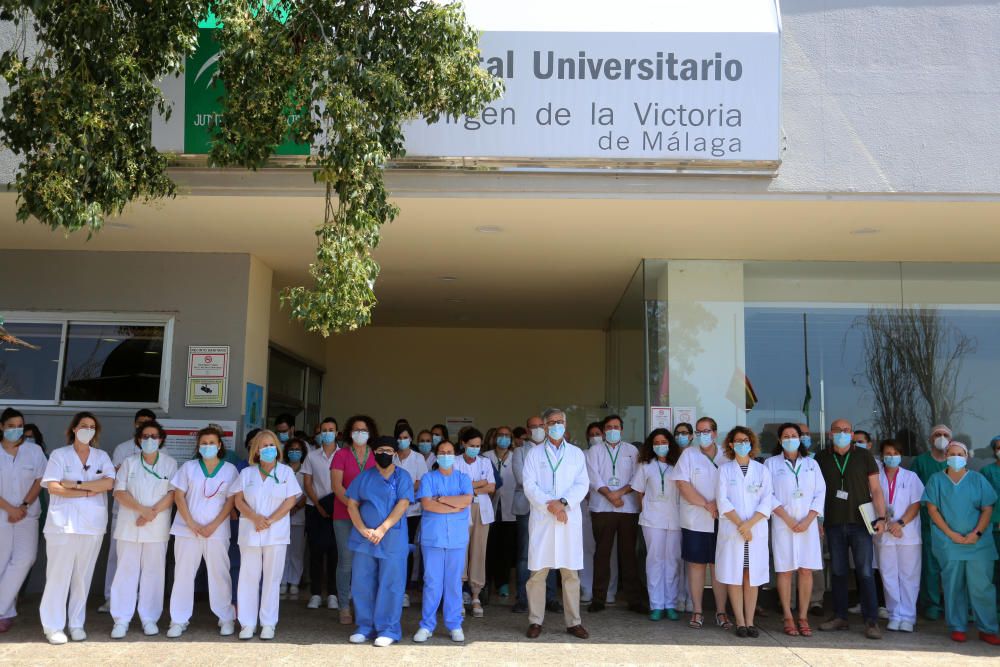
point(292, 336)
point(495, 376)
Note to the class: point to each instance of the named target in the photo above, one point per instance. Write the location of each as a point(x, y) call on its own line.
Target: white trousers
point(109, 573)
point(18, 550)
point(68, 573)
point(665, 579)
point(139, 580)
point(260, 568)
point(188, 554)
point(295, 557)
point(899, 566)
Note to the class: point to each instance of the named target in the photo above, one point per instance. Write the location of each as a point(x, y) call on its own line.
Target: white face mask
point(596, 440)
point(537, 434)
point(85, 435)
point(941, 442)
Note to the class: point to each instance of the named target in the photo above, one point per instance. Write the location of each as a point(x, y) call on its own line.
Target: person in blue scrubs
point(960, 503)
point(377, 501)
point(445, 495)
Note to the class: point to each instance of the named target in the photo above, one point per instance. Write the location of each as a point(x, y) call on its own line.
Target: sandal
point(723, 621)
point(790, 628)
point(804, 628)
point(697, 621)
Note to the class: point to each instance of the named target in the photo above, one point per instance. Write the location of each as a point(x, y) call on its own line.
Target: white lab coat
point(702, 473)
point(552, 544)
point(264, 495)
point(793, 550)
point(147, 484)
point(746, 496)
point(416, 465)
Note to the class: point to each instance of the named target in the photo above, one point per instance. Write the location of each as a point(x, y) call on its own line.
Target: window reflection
point(120, 363)
point(30, 374)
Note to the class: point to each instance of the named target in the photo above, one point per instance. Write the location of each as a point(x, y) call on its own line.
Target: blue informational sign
point(254, 416)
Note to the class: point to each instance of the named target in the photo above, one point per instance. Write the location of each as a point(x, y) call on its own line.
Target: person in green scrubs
point(992, 474)
point(960, 503)
point(925, 465)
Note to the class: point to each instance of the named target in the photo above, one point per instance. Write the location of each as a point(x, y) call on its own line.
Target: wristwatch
point(79, 483)
point(979, 533)
point(901, 523)
point(564, 502)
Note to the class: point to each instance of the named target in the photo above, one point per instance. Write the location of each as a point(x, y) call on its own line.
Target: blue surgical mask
point(790, 444)
point(13, 434)
point(613, 436)
point(436, 439)
point(425, 447)
point(892, 460)
point(446, 461)
point(557, 431)
point(807, 440)
point(404, 443)
point(30, 440)
point(294, 456)
point(503, 441)
point(841, 439)
point(860, 445)
point(705, 439)
point(683, 439)
point(661, 450)
point(956, 462)
point(149, 445)
point(283, 437)
point(327, 437)
point(269, 454)
point(208, 451)
point(472, 452)
point(742, 448)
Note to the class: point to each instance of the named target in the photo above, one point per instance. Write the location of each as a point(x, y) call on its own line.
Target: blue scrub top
point(376, 496)
point(960, 505)
point(445, 531)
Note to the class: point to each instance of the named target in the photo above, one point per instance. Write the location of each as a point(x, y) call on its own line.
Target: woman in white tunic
point(296, 451)
point(266, 493)
point(78, 478)
point(22, 465)
point(203, 493)
point(480, 471)
point(744, 496)
point(142, 489)
point(661, 524)
point(799, 495)
point(898, 548)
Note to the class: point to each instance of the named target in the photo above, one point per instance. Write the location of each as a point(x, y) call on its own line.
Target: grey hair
point(549, 412)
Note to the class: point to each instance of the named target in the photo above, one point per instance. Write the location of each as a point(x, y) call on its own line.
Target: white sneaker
point(150, 629)
point(293, 590)
point(406, 600)
point(586, 599)
point(247, 632)
point(883, 613)
point(905, 626)
point(56, 638)
point(119, 631)
point(267, 632)
point(331, 602)
point(611, 600)
point(856, 609)
point(457, 635)
point(105, 608)
point(357, 638)
point(466, 599)
point(283, 591)
point(477, 609)
point(77, 634)
point(382, 642)
point(314, 602)
point(422, 635)
point(892, 625)
point(175, 630)
point(227, 628)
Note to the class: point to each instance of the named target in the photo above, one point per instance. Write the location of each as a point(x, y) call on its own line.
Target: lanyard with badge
point(209, 476)
point(555, 467)
point(892, 494)
point(797, 493)
point(663, 479)
point(842, 492)
point(361, 466)
point(150, 470)
point(613, 481)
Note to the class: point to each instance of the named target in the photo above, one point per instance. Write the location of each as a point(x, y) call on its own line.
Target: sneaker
point(586, 599)
point(611, 600)
point(247, 632)
point(175, 630)
point(856, 609)
point(382, 642)
point(892, 625)
point(422, 635)
point(466, 599)
point(477, 609)
point(77, 634)
point(283, 591)
point(119, 631)
point(267, 632)
point(458, 636)
point(406, 600)
point(872, 631)
point(331, 602)
point(105, 608)
point(56, 638)
point(905, 626)
point(834, 624)
point(357, 638)
point(150, 629)
point(227, 628)
point(293, 591)
point(656, 615)
point(314, 602)
point(883, 613)
point(504, 591)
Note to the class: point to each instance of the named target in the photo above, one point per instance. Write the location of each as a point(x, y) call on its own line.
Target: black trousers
point(501, 552)
point(412, 526)
point(322, 553)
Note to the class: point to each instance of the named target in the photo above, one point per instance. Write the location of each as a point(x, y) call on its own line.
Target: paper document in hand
point(868, 514)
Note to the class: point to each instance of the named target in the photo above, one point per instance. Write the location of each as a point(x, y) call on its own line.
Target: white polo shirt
point(614, 468)
point(77, 516)
point(317, 466)
point(147, 483)
point(18, 474)
point(205, 496)
point(264, 495)
point(417, 467)
point(702, 473)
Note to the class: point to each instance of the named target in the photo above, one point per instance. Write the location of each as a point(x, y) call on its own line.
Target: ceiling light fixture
point(11, 349)
point(448, 279)
point(456, 300)
point(489, 229)
point(864, 231)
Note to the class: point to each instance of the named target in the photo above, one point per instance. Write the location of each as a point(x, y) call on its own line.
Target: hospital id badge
point(614, 481)
point(842, 495)
point(797, 494)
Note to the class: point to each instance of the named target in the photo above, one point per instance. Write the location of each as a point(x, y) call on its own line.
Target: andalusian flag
point(805, 348)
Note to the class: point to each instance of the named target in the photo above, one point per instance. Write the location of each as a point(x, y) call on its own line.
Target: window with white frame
point(78, 359)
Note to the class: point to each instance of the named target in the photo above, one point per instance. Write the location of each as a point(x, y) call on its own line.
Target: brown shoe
point(579, 632)
point(872, 631)
point(834, 624)
point(533, 631)
point(346, 617)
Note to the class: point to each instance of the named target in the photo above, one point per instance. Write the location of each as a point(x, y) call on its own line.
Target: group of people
point(379, 515)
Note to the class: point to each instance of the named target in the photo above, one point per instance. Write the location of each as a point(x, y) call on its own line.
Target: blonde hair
point(727, 445)
point(259, 441)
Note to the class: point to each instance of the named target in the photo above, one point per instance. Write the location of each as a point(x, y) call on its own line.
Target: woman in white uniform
point(142, 489)
point(266, 493)
point(898, 548)
point(78, 478)
point(745, 499)
point(480, 471)
point(203, 491)
point(501, 547)
point(22, 465)
point(799, 495)
point(661, 524)
point(295, 451)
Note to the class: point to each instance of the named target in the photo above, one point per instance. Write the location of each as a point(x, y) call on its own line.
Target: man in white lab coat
point(555, 483)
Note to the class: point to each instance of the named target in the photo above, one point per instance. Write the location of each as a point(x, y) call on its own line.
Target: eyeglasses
point(705, 432)
point(741, 442)
point(841, 430)
point(385, 450)
point(553, 422)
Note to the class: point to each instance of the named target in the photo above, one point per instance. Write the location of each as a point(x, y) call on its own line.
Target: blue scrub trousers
point(853, 537)
point(522, 565)
point(930, 571)
point(965, 582)
point(377, 587)
point(443, 570)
